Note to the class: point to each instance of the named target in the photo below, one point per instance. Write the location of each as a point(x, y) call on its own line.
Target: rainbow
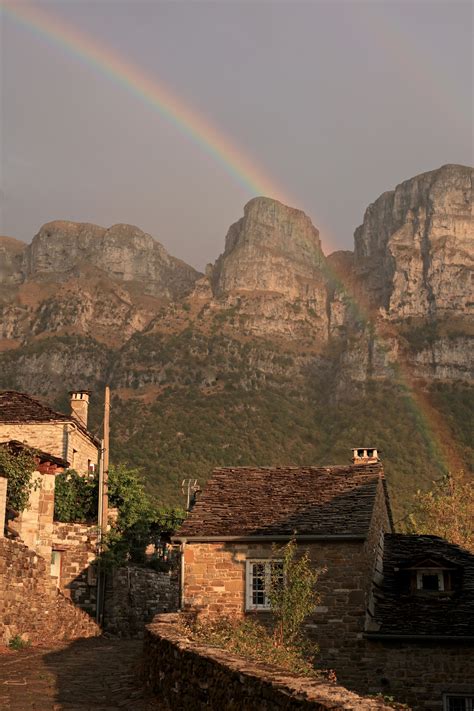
point(152, 92)
point(212, 141)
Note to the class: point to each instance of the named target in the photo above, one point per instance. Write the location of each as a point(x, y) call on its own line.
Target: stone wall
point(63, 439)
point(192, 676)
point(3, 502)
point(76, 545)
point(416, 672)
point(34, 525)
point(134, 596)
point(214, 583)
point(30, 605)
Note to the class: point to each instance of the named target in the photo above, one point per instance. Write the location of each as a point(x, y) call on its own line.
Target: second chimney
point(80, 405)
point(365, 455)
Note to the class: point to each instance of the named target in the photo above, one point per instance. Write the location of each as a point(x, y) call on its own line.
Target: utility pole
point(103, 504)
point(105, 466)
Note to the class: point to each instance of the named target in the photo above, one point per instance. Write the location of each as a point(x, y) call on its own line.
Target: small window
point(455, 702)
point(258, 582)
point(430, 580)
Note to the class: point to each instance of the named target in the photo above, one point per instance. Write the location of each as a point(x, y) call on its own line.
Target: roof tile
point(246, 501)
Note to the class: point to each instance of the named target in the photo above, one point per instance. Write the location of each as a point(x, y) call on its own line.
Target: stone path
point(94, 674)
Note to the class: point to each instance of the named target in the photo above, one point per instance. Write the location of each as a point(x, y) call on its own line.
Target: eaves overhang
point(385, 636)
point(269, 538)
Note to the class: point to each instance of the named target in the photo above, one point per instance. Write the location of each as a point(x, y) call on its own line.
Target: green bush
point(18, 468)
point(75, 497)
point(250, 639)
point(18, 642)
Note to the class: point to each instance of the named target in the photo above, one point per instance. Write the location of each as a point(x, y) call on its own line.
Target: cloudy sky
point(323, 104)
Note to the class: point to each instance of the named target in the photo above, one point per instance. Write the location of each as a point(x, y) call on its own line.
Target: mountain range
point(277, 355)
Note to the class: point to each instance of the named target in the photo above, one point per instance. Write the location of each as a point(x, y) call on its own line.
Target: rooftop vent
point(365, 455)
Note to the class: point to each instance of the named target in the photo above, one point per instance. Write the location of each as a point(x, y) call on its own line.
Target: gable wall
point(57, 438)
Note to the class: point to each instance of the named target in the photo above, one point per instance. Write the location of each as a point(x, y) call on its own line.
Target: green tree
point(18, 468)
point(75, 497)
point(292, 594)
point(448, 511)
point(139, 522)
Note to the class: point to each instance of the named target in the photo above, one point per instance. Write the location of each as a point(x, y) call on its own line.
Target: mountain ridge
point(273, 320)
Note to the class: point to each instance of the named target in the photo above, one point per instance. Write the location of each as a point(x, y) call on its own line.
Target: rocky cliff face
point(414, 251)
point(62, 250)
point(11, 258)
point(406, 292)
point(273, 264)
point(274, 249)
point(112, 282)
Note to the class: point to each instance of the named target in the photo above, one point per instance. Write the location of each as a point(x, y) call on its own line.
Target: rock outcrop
point(274, 249)
point(274, 266)
point(406, 292)
point(123, 252)
point(11, 257)
point(414, 251)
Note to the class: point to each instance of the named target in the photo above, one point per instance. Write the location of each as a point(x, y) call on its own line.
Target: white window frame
point(468, 701)
point(430, 571)
point(249, 563)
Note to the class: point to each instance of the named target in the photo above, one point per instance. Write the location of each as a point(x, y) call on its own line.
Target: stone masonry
point(418, 673)
point(135, 595)
point(76, 546)
point(193, 676)
point(62, 439)
point(3, 502)
point(30, 605)
point(34, 525)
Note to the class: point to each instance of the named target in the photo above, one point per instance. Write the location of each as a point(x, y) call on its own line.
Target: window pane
point(258, 584)
point(430, 581)
point(459, 703)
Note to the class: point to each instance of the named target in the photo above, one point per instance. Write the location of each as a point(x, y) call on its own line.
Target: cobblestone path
point(90, 674)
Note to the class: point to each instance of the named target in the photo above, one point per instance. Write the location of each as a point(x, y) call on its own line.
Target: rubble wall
point(30, 606)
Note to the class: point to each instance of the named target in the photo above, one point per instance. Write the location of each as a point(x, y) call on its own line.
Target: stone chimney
point(80, 405)
point(365, 455)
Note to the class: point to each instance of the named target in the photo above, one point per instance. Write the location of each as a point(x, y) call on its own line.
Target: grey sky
point(335, 101)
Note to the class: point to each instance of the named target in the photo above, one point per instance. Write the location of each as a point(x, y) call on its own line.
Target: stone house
point(34, 525)
point(397, 612)
point(58, 441)
point(25, 419)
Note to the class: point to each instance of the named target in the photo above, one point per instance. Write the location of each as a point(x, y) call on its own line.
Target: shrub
point(75, 497)
point(18, 642)
point(250, 639)
point(18, 467)
point(292, 596)
point(448, 511)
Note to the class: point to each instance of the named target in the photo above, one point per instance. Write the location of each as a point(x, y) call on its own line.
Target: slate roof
point(400, 613)
point(18, 408)
point(249, 501)
point(15, 446)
